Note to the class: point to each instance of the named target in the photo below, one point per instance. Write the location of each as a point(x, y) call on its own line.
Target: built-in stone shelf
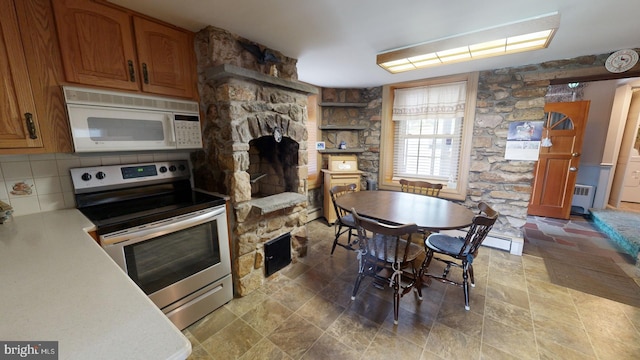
point(343, 151)
point(343, 127)
point(272, 203)
point(225, 71)
point(342, 104)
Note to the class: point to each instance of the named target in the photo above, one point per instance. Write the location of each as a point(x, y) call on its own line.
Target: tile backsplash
point(36, 183)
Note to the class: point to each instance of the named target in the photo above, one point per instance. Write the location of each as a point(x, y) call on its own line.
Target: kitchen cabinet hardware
point(31, 126)
point(145, 73)
point(132, 73)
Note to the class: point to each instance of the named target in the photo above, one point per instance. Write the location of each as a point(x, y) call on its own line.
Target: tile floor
point(305, 312)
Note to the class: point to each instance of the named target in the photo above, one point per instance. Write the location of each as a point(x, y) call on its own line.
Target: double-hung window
point(427, 133)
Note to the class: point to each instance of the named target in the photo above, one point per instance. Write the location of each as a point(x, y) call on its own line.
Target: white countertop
point(59, 285)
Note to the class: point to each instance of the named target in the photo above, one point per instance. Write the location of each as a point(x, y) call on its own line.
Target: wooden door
point(18, 119)
point(96, 42)
point(165, 55)
point(557, 166)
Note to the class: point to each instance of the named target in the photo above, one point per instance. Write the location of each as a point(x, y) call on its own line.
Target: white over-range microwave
point(115, 121)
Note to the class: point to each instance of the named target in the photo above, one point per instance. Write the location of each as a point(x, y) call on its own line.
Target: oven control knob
point(163, 169)
point(181, 167)
point(172, 168)
point(86, 177)
point(100, 175)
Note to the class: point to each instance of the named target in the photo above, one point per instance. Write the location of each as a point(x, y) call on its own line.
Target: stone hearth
point(266, 180)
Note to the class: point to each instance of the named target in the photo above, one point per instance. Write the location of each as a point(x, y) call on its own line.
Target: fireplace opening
point(273, 166)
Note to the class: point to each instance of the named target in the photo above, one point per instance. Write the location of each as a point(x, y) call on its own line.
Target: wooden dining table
point(394, 207)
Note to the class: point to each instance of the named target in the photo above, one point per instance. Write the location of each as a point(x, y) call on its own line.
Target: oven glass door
point(174, 257)
point(156, 263)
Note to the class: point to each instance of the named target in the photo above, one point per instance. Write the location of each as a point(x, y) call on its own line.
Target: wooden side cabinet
point(343, 170)
point(164, 57)
point(104, 45)
point(19, 127)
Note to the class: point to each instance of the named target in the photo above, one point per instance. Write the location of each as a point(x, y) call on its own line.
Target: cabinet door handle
point(132, 73)
point(31, 126)
point(145, 73)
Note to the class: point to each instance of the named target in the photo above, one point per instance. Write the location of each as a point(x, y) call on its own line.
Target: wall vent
point(277, 254)
point(582, 198)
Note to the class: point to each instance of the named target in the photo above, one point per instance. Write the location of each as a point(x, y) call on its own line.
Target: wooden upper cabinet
point(164, 57)
point(19, 126)
point(96, 42)
point(106, 46)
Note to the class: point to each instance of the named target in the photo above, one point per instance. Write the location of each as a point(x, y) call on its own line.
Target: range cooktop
point(117, 197)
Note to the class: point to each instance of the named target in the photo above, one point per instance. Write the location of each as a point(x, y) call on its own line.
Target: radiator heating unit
point(582, 198)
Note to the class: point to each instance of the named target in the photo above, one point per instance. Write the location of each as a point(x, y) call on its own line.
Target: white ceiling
point(336, 41)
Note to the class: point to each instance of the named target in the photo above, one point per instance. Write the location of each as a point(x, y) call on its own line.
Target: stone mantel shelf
point(225, 71)
point(269, 204)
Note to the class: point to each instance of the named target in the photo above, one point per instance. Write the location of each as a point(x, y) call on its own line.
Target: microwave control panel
point(188, 134)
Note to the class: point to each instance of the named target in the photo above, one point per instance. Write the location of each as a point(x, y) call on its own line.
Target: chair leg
point(427, 261)
point(465, 284)
point(417, 285)
point(473, 281)
point(356, 286)
point(349, 237)
point(396, 301)
point(335, 240)
point(361, 266)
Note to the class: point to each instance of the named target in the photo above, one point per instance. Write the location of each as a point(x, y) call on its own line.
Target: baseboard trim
point(313, 214)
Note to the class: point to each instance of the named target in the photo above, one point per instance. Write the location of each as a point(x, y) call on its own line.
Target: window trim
point(385, 175)
point(314, 180)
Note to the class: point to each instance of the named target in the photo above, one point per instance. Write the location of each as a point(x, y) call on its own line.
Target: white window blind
point(428, 131)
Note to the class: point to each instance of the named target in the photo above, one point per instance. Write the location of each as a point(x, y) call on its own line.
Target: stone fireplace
point(255, 151)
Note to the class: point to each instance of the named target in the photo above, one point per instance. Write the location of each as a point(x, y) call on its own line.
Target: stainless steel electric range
point(171, 240)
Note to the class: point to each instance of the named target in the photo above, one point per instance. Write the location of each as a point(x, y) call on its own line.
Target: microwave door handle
point(128, 238)
point(171, 127)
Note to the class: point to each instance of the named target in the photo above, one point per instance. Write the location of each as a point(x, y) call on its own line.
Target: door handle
point(573, 169)
point(575, 154)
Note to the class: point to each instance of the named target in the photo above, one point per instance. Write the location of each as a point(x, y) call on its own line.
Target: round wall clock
point(277, 134)
point(621, 61)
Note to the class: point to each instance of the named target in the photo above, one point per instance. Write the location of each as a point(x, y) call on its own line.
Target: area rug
point(621, 227)
point(591, 274)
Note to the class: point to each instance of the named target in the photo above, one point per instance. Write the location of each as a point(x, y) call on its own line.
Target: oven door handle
point(167, 226)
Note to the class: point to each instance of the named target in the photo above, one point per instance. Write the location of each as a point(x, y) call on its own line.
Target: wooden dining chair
point(382, 246)
point(420, 187)
point(459, 251)
point(344, 219)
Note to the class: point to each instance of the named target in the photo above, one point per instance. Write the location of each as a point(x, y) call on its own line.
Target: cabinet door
point(96, 42)
point(18, 120)
point(165, 57)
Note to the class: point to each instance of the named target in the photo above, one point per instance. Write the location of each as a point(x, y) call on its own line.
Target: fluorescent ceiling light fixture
point(524, 35)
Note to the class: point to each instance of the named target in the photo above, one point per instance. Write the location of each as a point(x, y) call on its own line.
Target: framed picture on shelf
point(320, 145)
